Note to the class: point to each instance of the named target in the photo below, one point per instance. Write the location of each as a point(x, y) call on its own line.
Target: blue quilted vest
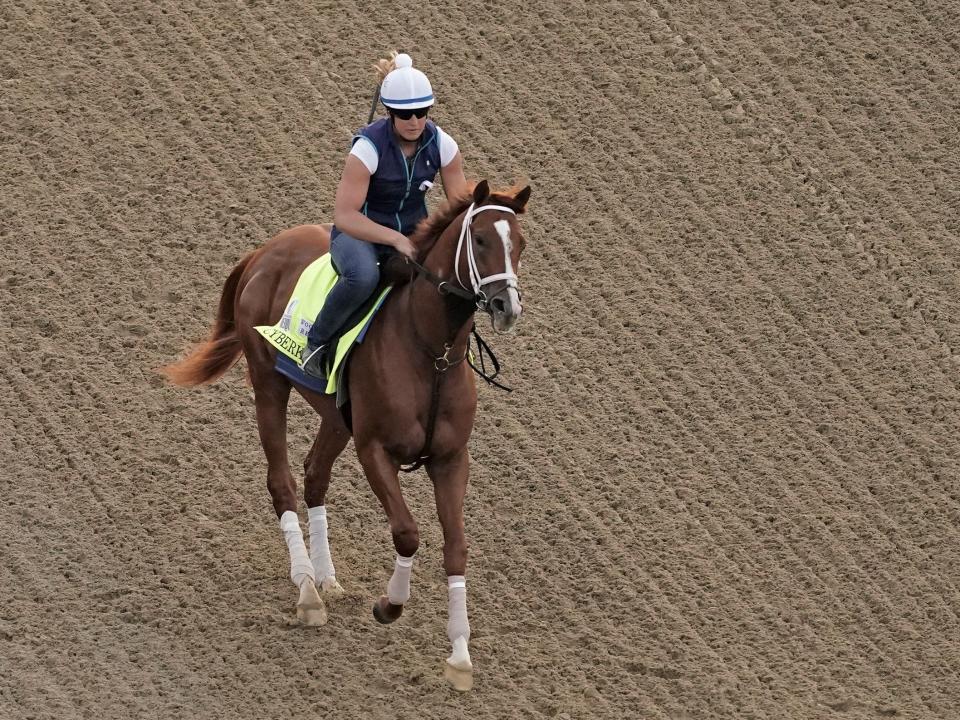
point(397, 194)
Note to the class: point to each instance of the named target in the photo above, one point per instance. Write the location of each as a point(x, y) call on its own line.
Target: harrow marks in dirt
point(727, 484)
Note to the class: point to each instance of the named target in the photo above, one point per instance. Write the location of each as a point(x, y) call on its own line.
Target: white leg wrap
point(398, 589)
point(457, 624)
point(458, 627)
point(300, 566)
point(319, 547)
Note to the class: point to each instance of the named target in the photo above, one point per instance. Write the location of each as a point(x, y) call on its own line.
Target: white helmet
point(406, 87)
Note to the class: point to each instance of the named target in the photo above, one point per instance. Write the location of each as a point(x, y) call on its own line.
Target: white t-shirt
point(367, 152)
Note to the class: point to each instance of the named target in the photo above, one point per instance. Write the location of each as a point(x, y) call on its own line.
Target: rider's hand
point(405, 247)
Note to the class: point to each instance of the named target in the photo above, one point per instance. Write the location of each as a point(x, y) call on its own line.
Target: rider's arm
point(454, 182)
point(351, 194)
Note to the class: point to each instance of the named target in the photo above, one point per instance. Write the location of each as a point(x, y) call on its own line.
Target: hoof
point(461, 680)
point(458, 670)
point(385, 611)
point(330, 588)
point(310, 609)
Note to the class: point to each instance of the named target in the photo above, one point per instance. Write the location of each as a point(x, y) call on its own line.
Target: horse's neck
point(440, 319)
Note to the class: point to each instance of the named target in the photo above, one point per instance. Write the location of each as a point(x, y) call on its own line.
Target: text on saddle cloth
point(289, 335)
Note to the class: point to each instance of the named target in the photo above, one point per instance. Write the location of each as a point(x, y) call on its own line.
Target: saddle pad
point(289, 336)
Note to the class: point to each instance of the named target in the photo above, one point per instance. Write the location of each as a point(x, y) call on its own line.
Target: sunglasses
point(406, 114)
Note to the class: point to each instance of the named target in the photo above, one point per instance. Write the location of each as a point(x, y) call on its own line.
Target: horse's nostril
point(499, 305)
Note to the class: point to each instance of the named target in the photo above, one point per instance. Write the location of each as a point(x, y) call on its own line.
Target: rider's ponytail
point(385, 65)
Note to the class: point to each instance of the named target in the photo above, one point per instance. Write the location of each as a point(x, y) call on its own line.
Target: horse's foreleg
point(381, 473)
point(272, 392)
point(449, 476)
point(329, 443)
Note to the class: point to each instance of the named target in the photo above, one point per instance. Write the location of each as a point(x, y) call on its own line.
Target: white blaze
point(503, 230)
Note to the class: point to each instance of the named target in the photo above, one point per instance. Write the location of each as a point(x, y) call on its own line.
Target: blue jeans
point(356, 262)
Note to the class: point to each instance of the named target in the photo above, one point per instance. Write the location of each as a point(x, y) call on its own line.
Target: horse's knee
point(406, 539)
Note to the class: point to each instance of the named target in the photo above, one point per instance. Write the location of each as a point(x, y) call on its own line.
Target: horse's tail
point(211, 359)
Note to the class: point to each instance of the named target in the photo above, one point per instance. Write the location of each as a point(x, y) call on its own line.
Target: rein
point(443, 362)
point(443, 286)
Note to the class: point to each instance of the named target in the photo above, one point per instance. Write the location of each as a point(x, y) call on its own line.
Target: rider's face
point(410, 130)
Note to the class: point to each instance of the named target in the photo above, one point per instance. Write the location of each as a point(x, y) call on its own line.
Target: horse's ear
point(481, 192)
point(521, 198)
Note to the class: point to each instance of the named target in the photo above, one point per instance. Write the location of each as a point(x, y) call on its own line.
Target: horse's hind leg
point(329, 443)
point(272, 392)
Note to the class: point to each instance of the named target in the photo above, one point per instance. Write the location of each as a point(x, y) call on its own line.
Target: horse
point(412, 396)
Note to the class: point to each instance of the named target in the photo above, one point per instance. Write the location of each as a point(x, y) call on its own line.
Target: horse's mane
point(431, 227)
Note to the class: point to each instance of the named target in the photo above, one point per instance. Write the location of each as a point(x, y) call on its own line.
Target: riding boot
point(315, 360)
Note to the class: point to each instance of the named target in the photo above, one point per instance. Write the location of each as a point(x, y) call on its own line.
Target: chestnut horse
point(412, 397)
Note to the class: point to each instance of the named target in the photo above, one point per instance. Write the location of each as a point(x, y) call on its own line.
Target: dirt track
point(728, 484)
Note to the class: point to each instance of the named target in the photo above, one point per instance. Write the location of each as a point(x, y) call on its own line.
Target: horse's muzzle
point(505, 309)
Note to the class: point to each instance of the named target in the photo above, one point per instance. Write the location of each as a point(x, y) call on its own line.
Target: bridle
point(476, 281)
point(475, 292)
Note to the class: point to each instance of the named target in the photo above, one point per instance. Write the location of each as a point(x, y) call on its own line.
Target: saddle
point(289, 335)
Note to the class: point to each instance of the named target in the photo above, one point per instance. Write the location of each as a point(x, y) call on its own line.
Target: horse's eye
point(479, 239)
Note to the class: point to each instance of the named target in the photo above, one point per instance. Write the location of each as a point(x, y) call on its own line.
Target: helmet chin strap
point(466, 241)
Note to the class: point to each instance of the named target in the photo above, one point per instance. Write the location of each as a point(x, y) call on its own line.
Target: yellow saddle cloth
point(289, 336)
